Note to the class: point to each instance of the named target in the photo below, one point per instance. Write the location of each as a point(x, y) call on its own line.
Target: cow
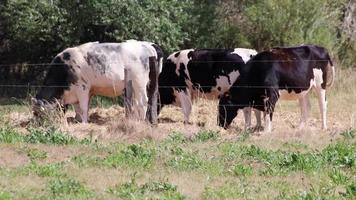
point(192, 73)
point(78, 73)
point(280, 73)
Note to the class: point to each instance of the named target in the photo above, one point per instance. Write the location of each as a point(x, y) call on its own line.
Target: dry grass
point(110, 124)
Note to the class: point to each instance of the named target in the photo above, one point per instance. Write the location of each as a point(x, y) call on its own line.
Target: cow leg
point(304, 109)
point(268, 122)
point(140, 99)
point(258, 119)
point(186, 104)
point(247, 116)
point(322, 105)
point(77, 110)
point(84, 106)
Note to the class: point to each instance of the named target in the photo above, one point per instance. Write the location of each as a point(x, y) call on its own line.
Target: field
point(115, 158)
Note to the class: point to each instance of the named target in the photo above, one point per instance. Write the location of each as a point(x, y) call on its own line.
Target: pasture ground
point(112, 158)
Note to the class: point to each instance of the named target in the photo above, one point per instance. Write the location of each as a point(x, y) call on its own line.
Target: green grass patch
point(227, 191)
point(36, 154)
point(154, 190)
point(133, 156)
point(48, 135)
point(48, 170)
point(242, 170)
point(67, 189)
point(206, 135)
point(10, 136)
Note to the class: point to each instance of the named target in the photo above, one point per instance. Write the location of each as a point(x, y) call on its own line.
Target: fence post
point(128, 94)
point(152, 91)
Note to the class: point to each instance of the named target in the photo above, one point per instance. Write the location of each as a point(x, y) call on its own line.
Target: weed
point(52, 136)
point(9, 135)
point(67, 187)
point(338, 177)
point(50, 170)
point(349, 134)
point(242, 170)
point(133, 156)
point(156, 190)
point(227, 191)
point(176, 137)
point(185, 161)
point(5, 195)
point(36, 154)
point(341, 154)
point(87, 161)
point(205, 135)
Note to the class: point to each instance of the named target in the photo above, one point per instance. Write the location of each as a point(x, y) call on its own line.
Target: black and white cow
point(192, 73)
point(78, 73)
point(286, 73)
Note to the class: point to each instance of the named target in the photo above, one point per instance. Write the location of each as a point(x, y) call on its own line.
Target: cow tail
point(329, 84)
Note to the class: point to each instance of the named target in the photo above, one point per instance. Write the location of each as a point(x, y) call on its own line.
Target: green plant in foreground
point(67, 187)
point(5, 195)
point(205, 135)
point(242, 170)
point(36, 154)
point(155, 190)
point(9, 135)
point(134, 156)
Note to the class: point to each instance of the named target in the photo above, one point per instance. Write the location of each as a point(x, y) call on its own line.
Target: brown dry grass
point(110, 124)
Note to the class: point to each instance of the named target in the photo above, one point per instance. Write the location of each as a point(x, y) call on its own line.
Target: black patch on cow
point(208, 64)
point(159, 51)
point(58, 78)
point(267, 73)
point(177, 54)
point(97, 61)
point(66, 56)
point(219, 88)
point(168, 79)
point(84, 87)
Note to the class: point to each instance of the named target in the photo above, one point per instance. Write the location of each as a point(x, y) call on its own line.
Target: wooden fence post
point(152, 91)
point(128, 94)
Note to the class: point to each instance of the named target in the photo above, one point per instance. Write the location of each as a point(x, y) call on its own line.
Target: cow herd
point(239, 78)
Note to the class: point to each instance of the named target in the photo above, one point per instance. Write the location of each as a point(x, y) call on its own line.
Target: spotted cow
point(192, 73)
point(78, 73)
point(280, 73)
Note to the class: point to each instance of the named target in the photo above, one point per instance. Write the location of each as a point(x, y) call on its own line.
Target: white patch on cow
point(245, 54)
point(181, 58)
point(223, 83)
point(318, 76)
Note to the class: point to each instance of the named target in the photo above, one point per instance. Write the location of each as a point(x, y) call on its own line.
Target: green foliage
point(9, 135)
point(185, 160)
point(133, 156)
point(49, 135)
point(227, 191)
point(5, 195)
point(157, 190)
point(205, 135)
point(176, 137)
point(349, 134)
point(64, 188)
point(36, 154)
point(242, 170)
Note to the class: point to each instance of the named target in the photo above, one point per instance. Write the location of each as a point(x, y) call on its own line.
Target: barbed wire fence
point(25, 80)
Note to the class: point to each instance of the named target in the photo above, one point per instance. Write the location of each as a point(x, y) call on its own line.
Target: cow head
point(227, 111)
